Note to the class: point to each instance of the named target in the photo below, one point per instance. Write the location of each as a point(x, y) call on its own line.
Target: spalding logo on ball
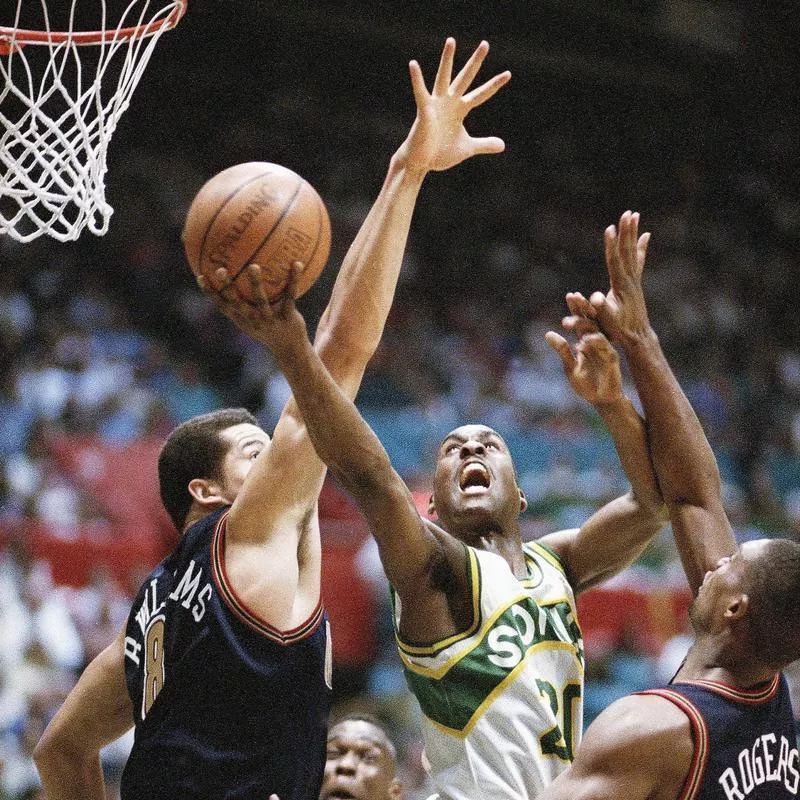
point(257, 213)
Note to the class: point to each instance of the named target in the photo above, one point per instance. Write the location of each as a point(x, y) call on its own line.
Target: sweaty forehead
point(354, 731)
point(465, 432)
point(244, 432)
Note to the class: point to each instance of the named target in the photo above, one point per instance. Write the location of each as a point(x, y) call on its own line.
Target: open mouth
point(339, 794)
point(473, 475)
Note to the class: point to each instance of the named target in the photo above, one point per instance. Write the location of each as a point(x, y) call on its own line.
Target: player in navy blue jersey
point(723, 728)
point(224, 665)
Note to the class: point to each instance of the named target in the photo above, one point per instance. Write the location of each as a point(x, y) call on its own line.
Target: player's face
point(475, 481)
point(358, 765)
point(721, 586)
point(246, 444)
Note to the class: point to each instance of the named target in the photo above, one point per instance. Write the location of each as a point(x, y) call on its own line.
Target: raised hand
point(277, 324)
point(622, 312)
point(593, 370)
point(437, 139)
point(582, 317)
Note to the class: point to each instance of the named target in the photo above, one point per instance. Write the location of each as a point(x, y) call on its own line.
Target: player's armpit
point(97, 711)
point(639, 748)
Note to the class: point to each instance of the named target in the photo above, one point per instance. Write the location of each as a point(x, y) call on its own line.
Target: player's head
point(475, 483)
point(755, 595)
point(361, 762)
point(207, 453)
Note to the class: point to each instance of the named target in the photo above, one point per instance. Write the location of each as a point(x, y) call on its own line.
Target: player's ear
point(737, 607)
point(523, 501)
point(206, 492)
point(431, 507)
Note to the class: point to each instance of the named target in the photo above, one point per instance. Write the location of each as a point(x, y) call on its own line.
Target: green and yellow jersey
point(502, 702)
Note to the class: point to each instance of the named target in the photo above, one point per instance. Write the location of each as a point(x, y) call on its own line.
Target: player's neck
point(707, 662)
point(195, 513)
point(501, 543)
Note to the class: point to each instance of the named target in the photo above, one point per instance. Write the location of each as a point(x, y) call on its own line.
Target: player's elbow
point(51, 750)
point(345, 356)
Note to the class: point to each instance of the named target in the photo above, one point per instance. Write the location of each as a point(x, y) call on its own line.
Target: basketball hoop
point(64, 92)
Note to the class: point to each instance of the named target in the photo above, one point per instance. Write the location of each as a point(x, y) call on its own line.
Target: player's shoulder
point(649, 722)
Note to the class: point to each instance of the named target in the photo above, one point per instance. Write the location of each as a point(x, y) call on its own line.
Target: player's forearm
point(341, 437)
point(629, 432)
point(69, 776)
point(352, 325)
point(683, 459)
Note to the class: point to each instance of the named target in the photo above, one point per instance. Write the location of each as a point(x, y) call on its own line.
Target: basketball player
point(486, 625)
point(224, 666)
point(361, 762)
point(723, 728)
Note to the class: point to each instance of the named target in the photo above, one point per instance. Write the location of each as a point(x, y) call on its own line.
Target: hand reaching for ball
point(277, 323)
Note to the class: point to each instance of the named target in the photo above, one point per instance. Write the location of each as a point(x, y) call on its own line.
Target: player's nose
point(472, 447)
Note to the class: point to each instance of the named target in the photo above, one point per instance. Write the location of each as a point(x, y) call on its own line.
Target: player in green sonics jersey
point(486, 625)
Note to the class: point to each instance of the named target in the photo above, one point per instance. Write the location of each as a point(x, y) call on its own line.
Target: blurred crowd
point(128, 349)
point(111, 340)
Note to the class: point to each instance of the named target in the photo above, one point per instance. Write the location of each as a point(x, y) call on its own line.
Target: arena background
point(685, 111)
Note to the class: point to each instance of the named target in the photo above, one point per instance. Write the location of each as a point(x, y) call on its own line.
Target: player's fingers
point(468, 72)
point(598, 300)
point(225, 287)
point(582, 326)
point(612, 255)
point(486, 90)
point(445, 71)
point(485, 145)
point(417, 83)
point(631, 237)
point(295, 271)
point(641, 249)
point(260, 299)
point(578, 304)
point(598, 349)
point(203, 284)
point(561, 346)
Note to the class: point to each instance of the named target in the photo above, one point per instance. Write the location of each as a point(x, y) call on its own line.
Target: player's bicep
point(703, 536)
point(284, 482)
point(611, 539)
point(404, 539)
point(639, 747)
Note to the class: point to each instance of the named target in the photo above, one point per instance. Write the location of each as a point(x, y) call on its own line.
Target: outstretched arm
point(410, 547)
point(616, 535)
point(353, 322)
point(684, 461)
point(639, 748)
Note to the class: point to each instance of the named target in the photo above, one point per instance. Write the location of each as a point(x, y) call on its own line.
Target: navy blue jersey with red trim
point(225, 705)
point(745, 745)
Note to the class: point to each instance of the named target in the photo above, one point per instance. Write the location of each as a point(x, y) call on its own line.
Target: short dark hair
point(194, 450)
point(375, 722)
point(773, 589)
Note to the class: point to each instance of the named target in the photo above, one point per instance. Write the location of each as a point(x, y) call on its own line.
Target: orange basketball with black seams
point(257, 213)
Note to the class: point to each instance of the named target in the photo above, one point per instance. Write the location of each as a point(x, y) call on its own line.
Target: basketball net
point(63, 93)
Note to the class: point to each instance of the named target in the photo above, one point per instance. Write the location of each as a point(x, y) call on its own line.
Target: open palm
point(438, 139)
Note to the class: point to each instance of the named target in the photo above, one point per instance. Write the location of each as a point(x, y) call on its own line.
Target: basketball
point(257, 213)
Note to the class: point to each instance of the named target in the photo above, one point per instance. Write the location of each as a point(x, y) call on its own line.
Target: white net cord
point(60, 103)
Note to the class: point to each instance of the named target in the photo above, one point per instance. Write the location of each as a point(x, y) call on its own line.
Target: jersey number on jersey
point(153, 663)
point(559, 741)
